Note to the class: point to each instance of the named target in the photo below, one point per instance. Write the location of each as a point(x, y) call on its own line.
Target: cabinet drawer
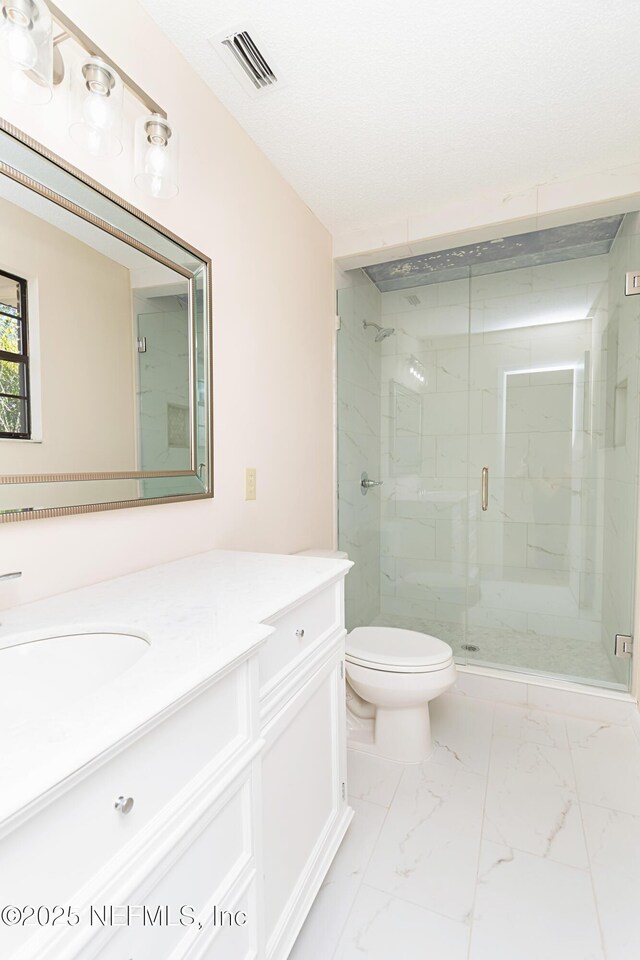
point(53, 854)
point(197, 884)
point(297, 632)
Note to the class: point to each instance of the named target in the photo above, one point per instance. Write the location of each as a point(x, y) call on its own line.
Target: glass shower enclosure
point(493, 390)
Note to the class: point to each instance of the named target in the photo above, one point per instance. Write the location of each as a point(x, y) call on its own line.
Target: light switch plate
point(250, 483)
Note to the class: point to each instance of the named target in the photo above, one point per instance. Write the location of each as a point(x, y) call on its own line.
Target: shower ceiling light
point(156, 157)
point(26, 47)
point(417, 372)
point(96, 108)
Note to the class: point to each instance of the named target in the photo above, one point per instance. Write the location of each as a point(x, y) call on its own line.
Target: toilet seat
point(397, 651)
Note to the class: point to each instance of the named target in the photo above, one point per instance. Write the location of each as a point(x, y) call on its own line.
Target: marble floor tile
point(428, 847)
point(606, 759)
point(372, 778)
point(382, 927)
point(528, 908)
point(613, 841)
point(530, 725)
point(531, 801)
point(462, 732)
point(323, 927)
point(617, 893)
point(518, 840)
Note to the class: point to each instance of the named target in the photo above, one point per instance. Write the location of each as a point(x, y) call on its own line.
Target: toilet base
point(403, 735)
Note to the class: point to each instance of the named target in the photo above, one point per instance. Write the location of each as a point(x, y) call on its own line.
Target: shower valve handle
point(366, 484)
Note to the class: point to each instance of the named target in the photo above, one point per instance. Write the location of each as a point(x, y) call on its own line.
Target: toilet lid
point(392, 647)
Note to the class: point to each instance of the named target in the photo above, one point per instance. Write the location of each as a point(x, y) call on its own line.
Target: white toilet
point(392, 676)
point(398, 672)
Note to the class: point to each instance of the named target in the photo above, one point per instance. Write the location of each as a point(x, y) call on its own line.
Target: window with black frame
point(14, 359)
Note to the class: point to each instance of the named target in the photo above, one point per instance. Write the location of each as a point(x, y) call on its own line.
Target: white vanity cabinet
point(304, 813)
point(238, 809)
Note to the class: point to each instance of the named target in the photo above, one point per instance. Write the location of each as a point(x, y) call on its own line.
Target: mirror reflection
point(103, 368)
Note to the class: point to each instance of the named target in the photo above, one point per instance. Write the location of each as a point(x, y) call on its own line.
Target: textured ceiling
point(591, 238)
point(386, 108)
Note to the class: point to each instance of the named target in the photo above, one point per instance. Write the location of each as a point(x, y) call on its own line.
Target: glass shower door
point(553, 382)
point(425, 505)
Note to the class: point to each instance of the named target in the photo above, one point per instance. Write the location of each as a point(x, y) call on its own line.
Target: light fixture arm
point(69, 29)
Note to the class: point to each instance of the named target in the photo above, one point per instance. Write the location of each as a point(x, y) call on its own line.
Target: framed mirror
point(105, 347)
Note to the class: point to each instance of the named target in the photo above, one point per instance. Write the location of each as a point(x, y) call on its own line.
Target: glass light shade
point(97, 96)
point(26, 49)
point(156, 157)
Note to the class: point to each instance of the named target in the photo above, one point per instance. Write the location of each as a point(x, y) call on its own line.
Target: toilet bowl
point(392, 676)
point(399, 672)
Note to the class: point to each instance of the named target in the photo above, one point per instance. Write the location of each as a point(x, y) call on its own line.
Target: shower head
point(383, 332)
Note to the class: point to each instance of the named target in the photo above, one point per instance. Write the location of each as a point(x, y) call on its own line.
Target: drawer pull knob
point(124, 805)
point(300, 633)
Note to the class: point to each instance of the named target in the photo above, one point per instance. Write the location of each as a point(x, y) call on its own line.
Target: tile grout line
point(484, 808)
point(365, 866)
point(397, 763)
point(586, 845)
point(412, 903)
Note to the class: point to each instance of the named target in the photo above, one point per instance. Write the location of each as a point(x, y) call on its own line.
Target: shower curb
point(571, 699)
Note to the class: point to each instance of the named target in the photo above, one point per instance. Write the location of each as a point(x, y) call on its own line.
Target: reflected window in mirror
point(14, 359)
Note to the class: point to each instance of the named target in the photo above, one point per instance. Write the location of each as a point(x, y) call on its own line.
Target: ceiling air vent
point(248, 56)
point(413, 300)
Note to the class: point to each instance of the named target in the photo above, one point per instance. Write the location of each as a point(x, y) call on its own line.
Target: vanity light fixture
point(26, 48)
point(156, 156)
point(97, 97)
point(36, 66)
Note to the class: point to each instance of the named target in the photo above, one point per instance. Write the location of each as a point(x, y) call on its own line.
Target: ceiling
point(384, 109)
point(591, 238)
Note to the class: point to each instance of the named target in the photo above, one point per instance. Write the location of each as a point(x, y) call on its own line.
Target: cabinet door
point(303, 806)
point(192, 904)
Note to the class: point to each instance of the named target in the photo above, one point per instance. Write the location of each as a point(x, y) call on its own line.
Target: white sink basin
point(39, 676)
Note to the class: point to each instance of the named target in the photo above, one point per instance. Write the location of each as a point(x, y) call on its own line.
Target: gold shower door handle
point(485, 488)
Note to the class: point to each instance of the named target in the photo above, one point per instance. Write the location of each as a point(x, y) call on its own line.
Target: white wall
point(454, 221)
point(273, 327)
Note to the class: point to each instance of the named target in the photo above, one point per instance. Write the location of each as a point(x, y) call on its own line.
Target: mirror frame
point(206, 477)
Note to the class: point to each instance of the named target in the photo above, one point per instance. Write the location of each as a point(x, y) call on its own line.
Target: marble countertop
point(199, 614)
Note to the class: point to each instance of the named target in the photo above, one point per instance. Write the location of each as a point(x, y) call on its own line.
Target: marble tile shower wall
point(523, 394)
point(359, 367)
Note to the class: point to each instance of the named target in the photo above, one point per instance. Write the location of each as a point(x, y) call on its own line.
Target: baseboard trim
point(635, 722)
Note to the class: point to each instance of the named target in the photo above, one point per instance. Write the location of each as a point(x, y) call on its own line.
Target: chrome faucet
point(11, 576)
